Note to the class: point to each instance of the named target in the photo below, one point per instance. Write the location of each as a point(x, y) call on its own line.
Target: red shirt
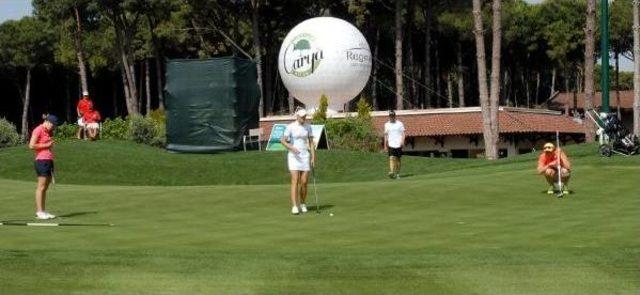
point(42, 136)
point(91, 116)
point(84, 105)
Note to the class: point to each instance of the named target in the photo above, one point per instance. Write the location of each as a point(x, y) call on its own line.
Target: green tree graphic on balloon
point(302, 45)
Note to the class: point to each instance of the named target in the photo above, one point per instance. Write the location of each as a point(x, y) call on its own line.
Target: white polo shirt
point(298, 135)
point(394, 133)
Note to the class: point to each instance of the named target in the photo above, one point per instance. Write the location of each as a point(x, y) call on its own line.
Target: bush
point(147, 131)
point(141, 129)
point(66, 131)
point(364, 109)
point(158, 115)
point(353, 134)
point(115, 129)
point(320, 115)
point(8, 134)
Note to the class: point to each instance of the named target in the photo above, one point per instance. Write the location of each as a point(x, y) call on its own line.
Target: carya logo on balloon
point(302, 58)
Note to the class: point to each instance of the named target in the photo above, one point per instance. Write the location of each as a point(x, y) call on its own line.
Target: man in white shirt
point(393, 143)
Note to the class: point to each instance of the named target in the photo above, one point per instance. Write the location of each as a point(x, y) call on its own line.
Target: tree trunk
point(129, 77)
point(437, 76)
point(636, 68)
point(125, 89)
point(450, 90)
point(553, 82)
point(526, 88)
point(410, 58)
point(140, 83)
point(25, 107)
point(257, 51)
point(147, 82)
point(82, 70)
point(461, 102)
point(495, 80)
point(589, 60)
point(374, 74)
point(428, 14)
point(504, 100)
point(268, 85)
point(398, 48)
point(159, 83)
point(618, 86)
point(158, 60)
point(482, 79)
point(537, 97)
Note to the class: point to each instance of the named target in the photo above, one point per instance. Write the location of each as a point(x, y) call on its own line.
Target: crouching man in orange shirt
point(548, 165)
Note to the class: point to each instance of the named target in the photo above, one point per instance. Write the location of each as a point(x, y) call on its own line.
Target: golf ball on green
point(330, 214)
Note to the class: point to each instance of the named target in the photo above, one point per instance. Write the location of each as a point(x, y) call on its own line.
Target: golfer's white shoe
point(303, 208)
point(44, 215)
point(294, 210)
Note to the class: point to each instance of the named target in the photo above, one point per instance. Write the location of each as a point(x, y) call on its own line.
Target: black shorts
point(44, 168)
point(395, 152)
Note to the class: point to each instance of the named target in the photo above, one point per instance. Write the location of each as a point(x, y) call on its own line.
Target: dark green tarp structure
point(210, 103)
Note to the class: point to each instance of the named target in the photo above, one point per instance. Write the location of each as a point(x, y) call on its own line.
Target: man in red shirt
point(83, 106)
point(42, 142)
point(91, 120)
point(548, 165)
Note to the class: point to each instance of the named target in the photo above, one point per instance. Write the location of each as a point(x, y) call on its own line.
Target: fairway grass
point(452, 228)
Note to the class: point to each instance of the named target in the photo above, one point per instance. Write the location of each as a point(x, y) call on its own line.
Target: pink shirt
point(42, 136)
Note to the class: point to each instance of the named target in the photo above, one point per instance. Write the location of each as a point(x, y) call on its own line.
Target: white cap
point(85, 93)
point(301, 112)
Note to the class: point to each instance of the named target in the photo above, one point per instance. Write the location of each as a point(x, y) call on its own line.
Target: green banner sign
point(277, 132)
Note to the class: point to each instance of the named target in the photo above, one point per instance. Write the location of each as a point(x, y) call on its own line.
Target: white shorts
point(93, 125)
point(299, 162)
point(81, 122)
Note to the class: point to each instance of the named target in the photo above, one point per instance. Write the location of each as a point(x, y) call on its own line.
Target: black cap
point(52, 119)
point(392, 113)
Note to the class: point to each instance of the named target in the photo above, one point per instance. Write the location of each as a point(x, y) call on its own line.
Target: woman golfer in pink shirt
point(42, 142)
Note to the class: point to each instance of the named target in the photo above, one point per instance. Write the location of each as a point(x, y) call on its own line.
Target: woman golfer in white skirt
point(297, 139)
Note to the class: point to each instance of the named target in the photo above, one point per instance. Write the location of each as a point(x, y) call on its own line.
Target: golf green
point(448, 227)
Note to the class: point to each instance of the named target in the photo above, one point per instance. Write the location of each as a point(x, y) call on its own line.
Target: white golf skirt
point(299, 162)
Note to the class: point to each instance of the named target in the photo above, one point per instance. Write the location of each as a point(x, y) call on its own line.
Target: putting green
point(454, 227)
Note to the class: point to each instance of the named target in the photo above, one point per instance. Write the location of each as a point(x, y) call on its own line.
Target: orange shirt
point(545, 159)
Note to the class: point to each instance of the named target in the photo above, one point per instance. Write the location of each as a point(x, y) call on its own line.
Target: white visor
point(301, 113)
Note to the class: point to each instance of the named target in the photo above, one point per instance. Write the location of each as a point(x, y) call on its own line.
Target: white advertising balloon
point(324, 55)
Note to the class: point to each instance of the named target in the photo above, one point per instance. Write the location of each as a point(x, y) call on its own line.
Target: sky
point(16, 9)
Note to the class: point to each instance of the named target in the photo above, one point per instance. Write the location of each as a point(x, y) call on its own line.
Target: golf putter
point(559, 194)
point(315, 191)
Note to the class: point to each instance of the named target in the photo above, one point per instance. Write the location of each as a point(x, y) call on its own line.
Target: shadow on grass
point(321, 207)
point(74, 214)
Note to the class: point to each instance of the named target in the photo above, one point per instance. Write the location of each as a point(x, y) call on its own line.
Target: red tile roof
point(466, 122)
point(566, 98)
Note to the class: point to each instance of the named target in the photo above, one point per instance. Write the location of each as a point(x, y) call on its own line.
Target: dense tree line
point(424, 52)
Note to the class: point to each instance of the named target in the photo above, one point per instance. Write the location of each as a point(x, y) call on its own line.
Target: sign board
point(278, 131)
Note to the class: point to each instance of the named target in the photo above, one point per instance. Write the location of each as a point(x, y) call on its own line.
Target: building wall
point(427, 146)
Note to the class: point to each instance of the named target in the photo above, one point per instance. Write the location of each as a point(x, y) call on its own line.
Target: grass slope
point(481, 229)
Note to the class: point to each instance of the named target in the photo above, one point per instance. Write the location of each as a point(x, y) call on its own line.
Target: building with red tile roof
point(457, 132)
